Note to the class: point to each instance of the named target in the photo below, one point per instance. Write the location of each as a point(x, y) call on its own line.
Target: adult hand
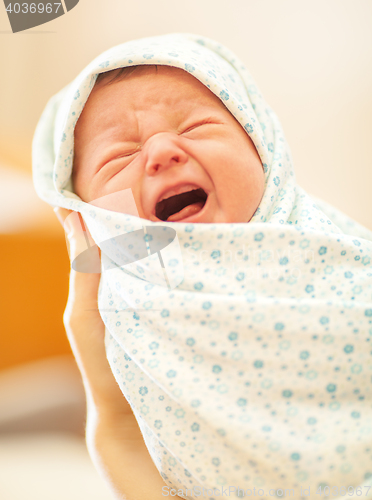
point(113, 437)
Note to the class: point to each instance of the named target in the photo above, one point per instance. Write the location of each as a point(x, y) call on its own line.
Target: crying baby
point(252, 369)
point(161, 132)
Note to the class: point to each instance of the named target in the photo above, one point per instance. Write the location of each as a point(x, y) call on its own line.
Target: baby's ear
point(120, 201)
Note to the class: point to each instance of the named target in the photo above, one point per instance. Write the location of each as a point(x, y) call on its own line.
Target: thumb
point(83, 252)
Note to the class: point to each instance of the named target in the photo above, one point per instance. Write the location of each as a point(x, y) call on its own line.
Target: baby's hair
point(122, 74)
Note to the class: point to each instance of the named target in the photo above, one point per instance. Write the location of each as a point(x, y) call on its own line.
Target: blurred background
point(313, 63)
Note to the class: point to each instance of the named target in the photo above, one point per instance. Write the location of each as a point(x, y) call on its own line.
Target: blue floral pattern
point(255, 370)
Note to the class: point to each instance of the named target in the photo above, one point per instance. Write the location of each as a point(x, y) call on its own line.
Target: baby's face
point(163, 134)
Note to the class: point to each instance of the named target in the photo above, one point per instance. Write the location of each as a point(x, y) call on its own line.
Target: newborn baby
point(251, 371)
point(162, 133)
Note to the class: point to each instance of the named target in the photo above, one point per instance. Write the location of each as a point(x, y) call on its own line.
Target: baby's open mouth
point(180, 206)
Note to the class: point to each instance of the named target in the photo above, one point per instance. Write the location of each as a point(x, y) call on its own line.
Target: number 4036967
point(33, 8)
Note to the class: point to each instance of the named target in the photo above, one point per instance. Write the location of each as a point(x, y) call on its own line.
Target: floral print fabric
point(255, 370)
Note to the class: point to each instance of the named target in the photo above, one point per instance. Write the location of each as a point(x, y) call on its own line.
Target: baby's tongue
point(186, 212)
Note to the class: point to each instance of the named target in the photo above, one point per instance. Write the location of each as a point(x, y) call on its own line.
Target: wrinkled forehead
point(153, 74)
point(216, 70)
point(145, 88)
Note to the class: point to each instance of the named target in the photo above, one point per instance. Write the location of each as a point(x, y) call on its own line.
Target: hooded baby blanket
point(244, 349)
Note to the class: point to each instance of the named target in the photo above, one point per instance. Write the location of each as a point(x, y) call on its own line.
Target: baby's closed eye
point(124, 154)
point(127, 153)
point(199, 124)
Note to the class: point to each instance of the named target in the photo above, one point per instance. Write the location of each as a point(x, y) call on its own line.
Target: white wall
point(312, 61)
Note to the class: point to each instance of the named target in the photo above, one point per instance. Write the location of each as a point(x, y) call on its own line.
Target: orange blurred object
point(34, 275)
point(33, 295)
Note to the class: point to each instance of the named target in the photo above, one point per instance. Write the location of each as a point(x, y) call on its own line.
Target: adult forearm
point(118, 451)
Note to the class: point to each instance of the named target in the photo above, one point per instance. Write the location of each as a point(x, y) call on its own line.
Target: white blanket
point(253, 368)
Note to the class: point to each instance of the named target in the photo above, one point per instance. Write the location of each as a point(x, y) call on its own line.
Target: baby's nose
point(162, 152)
